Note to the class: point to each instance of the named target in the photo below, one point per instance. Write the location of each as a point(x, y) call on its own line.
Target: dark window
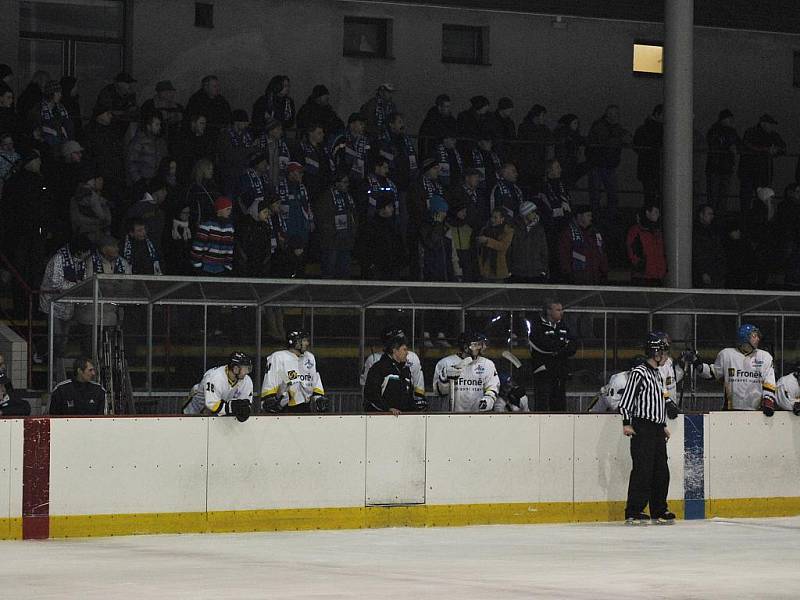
point(648, 58)
point(369, 38)
point(796, 65)
point(465, 44)
point(204, 15)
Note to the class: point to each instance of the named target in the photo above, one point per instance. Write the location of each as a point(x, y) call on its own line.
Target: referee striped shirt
point(643, 397)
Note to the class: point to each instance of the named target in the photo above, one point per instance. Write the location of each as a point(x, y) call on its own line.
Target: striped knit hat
point(222, 203)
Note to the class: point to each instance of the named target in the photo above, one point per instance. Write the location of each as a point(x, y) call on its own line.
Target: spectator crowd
point(159, 187)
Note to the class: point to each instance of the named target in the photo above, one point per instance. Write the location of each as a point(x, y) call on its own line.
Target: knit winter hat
point(437, 204)
point(293, 167)
point(319, 91)
point(526, 207)
point(222, 203)
point(765, 194)
point(478, 102)
point(429, 163)
point(504, 103)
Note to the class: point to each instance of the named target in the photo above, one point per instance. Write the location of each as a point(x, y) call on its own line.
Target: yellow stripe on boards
point(753, 507)
point(11, 529)
point(126, 524)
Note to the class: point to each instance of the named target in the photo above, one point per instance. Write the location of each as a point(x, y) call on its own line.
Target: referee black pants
point(649, 480)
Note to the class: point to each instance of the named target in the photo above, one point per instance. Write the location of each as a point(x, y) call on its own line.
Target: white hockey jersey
point(747, 377)
point(293, 379)
point(611, 394)
point(478, 379)
point(214, 393)
point(414, 364)
point(672, 374)
point(788, 392)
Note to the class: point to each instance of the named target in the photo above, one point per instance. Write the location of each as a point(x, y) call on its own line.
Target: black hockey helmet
point(293, 338)
point(468, 337)
point(655, 343)
point(240, 359)
point(393, 337)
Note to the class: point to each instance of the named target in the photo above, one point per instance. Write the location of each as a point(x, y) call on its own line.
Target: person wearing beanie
point(473, 198)
point(648, 142)
point(149, 209)
point(298, 217)
point(502, 126)
point(316, 159)
point(494, 241)
point(581, 250)
point(276, 103)
point(506, 194)
point(210, 102)
point(723, 147)
point(529, 255)
point(53, 117)
point(172, 113)
point(335, 216)
point(570, 147)
point(435, 245)
point(90, 213)
point(257, 239)
point(438, 123)
point(760, 145)
point(146, 149)
point(213, 244)
point(234, 145)
point(398, 148)
point(318, 111)
point(472, 122)
point(376, 111)
point(379, 246)
point(536, 146)
point(645, 248)
point(119, 95)
point(355, 150)
point(451, 164)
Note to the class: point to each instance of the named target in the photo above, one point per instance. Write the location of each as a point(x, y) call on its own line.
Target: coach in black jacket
point(389, 386)
point(11, 405)
point(79, 395)
point(551, 346)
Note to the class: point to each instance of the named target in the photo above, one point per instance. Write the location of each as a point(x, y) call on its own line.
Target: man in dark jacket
point(104, 146)
point(79, 395)
point(209, 101)
point(501, 125)
point(192, 143)
point(377, 109)
point(256, 239)
point(551, 346)
point(471, 122)
point(649, 143)
point(529, 254)
point(437, 123)
point(318, 111)
point(122, 99)
point(723, 148)
point(536, 146)
point(389, 386)
point(708, 251)
point(760, 145)
point(435, 245)
point(581, 250)
point(315, 157)
point(334, 212)
point(604, 153)
point(11, 404)
point(381, 250)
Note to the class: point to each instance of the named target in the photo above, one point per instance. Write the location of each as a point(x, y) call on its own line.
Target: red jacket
point(646, 252)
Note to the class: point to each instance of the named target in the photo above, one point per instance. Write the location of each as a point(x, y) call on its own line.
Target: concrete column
point(678, 117)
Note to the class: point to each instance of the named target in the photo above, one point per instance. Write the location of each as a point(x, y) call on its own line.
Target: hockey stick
point(512, 359)
point(463, 364)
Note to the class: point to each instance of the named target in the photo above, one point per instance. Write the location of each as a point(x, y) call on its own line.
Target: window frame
point(647, 42)
point(482, 58)
point(385, 25)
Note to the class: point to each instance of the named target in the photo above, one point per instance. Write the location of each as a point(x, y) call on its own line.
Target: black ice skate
point(667, 518)
point(640, 519)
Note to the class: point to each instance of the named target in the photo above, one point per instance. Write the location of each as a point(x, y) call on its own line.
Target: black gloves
point(272, 404)
point(672, 410)
point(690, 357)
point(796, 409)
point(240, 409)
point(320, 403)
point(421, 403)
point(768, 406)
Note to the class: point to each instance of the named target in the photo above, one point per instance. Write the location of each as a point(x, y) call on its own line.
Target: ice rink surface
point(753, 559)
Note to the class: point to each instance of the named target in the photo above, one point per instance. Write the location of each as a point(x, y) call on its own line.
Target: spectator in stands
point(506, 194)
point(276, 103)
point(6, 74)
point(484, 158)
point(381, 250)
point(760, 144)
point(378, 180)
point(299, 218)
point(569, 147)
point(420, 194)
point(209, 101)
point(316, 160)
point(501, 125)
point(536, 145)
point(53, 117)
point(451, 164)
point(79, 395)
point(235, 144)
point(169, 109)
point(645, 247)
point(120, 96)
point(177, 242)
point(213, 244)
point(9, 157)
point(254, 185)
point(494, 241)
point(201, 194)
point(278, 152)
point(11, 404)
point(462, 235)
point(104, 146)
point(90, 213)
point(470, 195)
point(335, 216)
point(399, 149)
point(604, 153)
point(318, 111)
point(192, 143)
point(70, 98)
point(439, 122)
point(762, 230)
point(27, 225)
point(356, 148)
point(582, 250)
point(472, 123)
point(256, 239)
point(723, 148)
point(9, 121)
point(376, 111)
point(435, 245)
point(31, 98)
point(708, 252)
point(740, 261)
point(149, 209)
point(146, 149)
point(529, 258)
point(64, 178)
point(648, 142)
point(139, 251)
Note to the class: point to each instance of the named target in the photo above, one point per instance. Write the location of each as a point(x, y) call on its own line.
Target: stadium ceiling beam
point(759, 305)
point(277, 294)
point(483, 297)
point(669, 303)
point(170, 290)
point(366, 303)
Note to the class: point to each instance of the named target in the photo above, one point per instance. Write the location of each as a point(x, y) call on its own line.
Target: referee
point(643, 409)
